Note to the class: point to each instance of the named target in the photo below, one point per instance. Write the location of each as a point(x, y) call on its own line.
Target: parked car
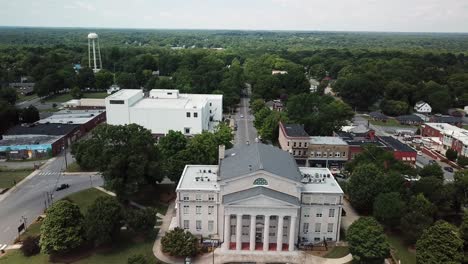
point(419, 153)
point(432, 162)
point(62, 186)
point(449, 169)
point(241, 116)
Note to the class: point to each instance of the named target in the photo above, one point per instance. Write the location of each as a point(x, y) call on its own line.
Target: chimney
point(221, 153)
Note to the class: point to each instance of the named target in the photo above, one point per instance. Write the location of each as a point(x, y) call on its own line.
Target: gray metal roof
point(256, 191)
point(245, 159)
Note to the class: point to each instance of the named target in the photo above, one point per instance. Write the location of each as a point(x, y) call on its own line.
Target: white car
point(241, 116)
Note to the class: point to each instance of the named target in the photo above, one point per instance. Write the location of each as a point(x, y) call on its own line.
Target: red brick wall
point(399, 155)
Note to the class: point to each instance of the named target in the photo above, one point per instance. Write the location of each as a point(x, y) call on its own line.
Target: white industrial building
point(165, 110)
point(257, 199)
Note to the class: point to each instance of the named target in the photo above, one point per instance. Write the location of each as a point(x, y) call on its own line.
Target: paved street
point(423, 160)
point(245, 129)
point(28, 199)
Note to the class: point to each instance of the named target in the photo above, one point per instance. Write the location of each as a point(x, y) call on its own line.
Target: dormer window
point(260, 181)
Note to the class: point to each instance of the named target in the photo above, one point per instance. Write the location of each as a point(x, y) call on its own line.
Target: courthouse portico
point(258, 200)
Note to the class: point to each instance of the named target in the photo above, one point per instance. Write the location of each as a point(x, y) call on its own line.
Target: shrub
point(31, 246)
point(137, 259)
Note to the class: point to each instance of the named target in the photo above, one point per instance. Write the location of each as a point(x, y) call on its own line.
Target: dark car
point(432, 162)
point(449, 169)
point(62, 187)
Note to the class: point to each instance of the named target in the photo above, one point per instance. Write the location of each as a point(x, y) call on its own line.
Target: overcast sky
point(349, 15)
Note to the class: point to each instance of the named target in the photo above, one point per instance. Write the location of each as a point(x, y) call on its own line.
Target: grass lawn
point(61, 98)
point(50, 110)
point(465, 126)
point(123, 247)
point(390, 122)
point(337, 252)
point(96, 95)
point(401, 249)
point(155, 197)
point(74, 167)
point(22, 98)
point(32, 230)
point(7, 178)
point(85, 198)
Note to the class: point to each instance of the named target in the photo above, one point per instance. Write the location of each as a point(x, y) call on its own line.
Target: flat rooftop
point(319, 180)
point(199, 178)
point(327, 141)
point(124, 94)
point(42, 129)
point(24, 141)
point(71, 117)
point(396, 145)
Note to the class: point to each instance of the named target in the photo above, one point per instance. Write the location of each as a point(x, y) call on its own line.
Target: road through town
point(28, 199)
point(244, 120)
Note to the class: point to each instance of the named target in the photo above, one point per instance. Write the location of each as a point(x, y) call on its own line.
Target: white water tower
point(93, 41)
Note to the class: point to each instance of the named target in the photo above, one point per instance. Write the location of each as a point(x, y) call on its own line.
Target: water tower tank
point(92, 36)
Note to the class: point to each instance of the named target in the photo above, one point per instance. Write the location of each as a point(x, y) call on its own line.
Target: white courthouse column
point(279, 239)
point(227, 231)
point(238, 232)
point(252, 232)
point(266, 233)
point(292, 233)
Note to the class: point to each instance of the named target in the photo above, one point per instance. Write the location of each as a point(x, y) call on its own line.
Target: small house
point(422, 107)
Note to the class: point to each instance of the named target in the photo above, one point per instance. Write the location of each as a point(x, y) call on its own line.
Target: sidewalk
point(351, 215)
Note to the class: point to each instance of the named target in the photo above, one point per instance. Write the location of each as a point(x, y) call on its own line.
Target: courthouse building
point(257, 199)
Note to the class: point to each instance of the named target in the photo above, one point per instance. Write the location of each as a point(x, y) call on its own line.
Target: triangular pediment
point(261, 201)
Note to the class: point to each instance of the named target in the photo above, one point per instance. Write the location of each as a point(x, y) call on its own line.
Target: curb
point(34, 173)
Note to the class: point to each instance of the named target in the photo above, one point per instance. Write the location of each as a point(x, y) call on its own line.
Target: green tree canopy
point(180, 243)
point(418, 217)
point(172, 143)
point(367, 241)
point(103, 220)
point(364, 185)
point(62, 229)
point(440, 243)
point(388, 209)
point(29, 114)
point(432, 170)
point(126, 155)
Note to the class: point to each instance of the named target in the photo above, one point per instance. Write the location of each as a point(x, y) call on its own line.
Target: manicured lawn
point(85, 198)
point(74, 167)
point(59, 98)
point(97, 95)
point(50, 110)
point(401, 249)
point(22, 98)
point(337, 252)
point(390, 122)
point(155, 197)
point(7, 178)
point(123, 247)
point(32, 230)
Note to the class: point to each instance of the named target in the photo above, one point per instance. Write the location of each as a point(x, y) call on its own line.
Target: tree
point(8, 115)
point(76, 92)
point(394, 108)
point(137, 259)
point(172, 143)
point(9, 95)
point(127, 81)
point(29, 114)
point(30, 246)
point(364, 186)
point(388, 208)
point(360, 91)
point(321, 115)
point(125, 155)
point(260, 117)
point(367, 241)
point(86, 79)
point(270, 128)
point(62, 229)
point(103, 220)
point(141, 220)
point(462, 161)
point(257, 105)
point(461, 184)
point(104, 80)
point(440, 243)
point(432, 170)
point(418, 217)
point(180, 243)
point(451, 154)
point(464, 228)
